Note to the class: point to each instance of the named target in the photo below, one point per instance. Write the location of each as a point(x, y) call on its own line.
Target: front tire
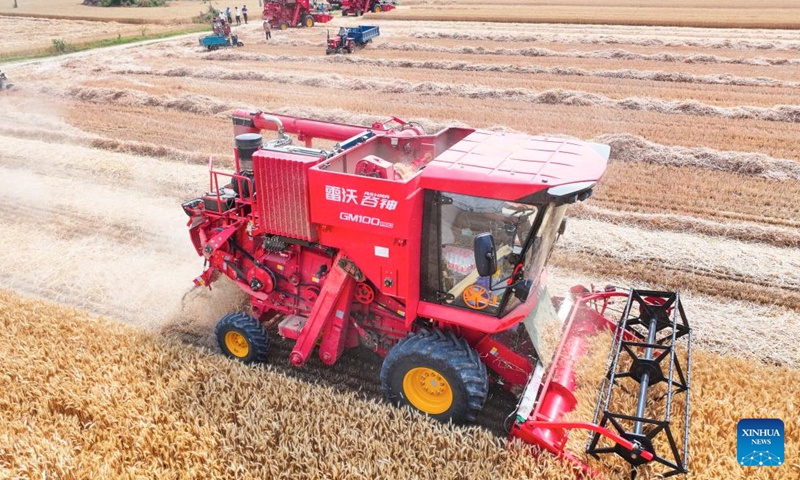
point(436, 373)
point(242, 338)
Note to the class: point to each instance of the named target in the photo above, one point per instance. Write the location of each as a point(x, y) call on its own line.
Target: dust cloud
point(98, 230)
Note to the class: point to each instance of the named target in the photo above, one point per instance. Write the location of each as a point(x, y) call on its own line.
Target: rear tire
point(283, 26)
point(436, 373)
point(308, 21)
point(242, 338)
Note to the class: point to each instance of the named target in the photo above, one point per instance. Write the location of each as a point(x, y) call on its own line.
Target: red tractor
point(282, 14)
point(430, 249)
point(340, 43)
point(360, 7)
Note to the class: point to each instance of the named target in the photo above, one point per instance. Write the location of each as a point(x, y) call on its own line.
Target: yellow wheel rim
point(237, 344)
point(309, 23)
point(284, 26)
point(377, 9)
point(428, 390)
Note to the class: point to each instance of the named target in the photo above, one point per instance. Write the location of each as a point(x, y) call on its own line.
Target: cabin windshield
point(523, 236)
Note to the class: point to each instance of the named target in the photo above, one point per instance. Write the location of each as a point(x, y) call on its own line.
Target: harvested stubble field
point(98, 151)
point(175, 11)
point(704, 13)
point(31, 28)
point(73, 32)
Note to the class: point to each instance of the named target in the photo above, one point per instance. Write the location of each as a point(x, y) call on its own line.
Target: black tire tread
point(256, 335)
point(451, 350)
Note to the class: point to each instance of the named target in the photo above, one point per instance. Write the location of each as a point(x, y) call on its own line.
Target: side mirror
point(485, 255)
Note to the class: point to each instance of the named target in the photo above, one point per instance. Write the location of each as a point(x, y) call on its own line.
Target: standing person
point(244, 13)
point(228, 14)
point(238, 18)
point(267, 30)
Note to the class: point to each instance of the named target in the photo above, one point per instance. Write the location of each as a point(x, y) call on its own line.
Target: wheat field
point(176, 11)
point(704, 13)
point(89, 398)
point(98, 150)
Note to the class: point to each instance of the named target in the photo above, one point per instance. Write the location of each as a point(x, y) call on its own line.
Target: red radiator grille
point(281, 185)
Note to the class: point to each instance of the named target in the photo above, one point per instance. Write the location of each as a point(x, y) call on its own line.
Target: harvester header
point(431, 250)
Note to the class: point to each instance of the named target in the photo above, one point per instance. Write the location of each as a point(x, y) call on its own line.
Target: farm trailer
point(215, 42)
point(431, 250)
point(221, 38)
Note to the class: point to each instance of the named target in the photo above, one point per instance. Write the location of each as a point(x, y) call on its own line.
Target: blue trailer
point(221, 38)
point(363, 34)
point(213, 42)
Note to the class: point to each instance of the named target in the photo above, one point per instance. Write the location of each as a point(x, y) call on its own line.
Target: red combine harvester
point(431, 251)
point(282, 14)
point(360, 7)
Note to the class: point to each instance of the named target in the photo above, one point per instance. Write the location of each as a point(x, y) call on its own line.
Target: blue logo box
point(760, 442)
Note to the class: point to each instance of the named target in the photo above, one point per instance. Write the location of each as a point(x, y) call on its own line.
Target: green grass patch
point(61, 46)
